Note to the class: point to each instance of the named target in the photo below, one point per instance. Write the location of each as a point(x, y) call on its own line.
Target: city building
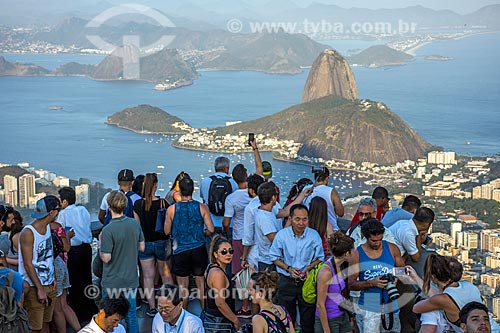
point(82, 194)
point(11, 190)
point(441, 157)
point(487, 191)
point(492, 280)
point(455, 230)
point(61, 181)
point(26, 189)
point(470, 240)
point(496, 306)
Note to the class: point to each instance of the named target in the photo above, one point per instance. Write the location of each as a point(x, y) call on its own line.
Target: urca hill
point(333, 123)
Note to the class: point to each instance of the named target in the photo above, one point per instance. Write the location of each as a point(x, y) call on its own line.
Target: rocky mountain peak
point(330, 74)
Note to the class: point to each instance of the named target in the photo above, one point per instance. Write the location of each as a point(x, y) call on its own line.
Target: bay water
point(454, 104)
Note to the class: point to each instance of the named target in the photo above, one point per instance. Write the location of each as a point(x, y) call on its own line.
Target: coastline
point(274, 157)
point(143, 132)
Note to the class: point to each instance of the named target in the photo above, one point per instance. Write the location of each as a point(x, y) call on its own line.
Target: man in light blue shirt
point(410, 204)
point(295, 251)
point(221, 166)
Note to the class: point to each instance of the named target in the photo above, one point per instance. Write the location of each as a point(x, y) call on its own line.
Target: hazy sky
point(459, 6)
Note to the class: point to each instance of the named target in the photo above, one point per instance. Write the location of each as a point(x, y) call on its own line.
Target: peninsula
point(147, 119)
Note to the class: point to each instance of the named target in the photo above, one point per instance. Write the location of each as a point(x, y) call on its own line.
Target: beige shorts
point(39, 313)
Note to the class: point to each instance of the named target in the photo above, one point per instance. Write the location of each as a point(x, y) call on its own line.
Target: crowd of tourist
point(289, 266)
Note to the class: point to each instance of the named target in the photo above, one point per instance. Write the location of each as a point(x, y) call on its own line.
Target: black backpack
point(220, 188)
point(13, 318)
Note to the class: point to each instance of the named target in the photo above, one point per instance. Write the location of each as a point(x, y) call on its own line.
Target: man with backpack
point(125, 181)
point(12, 317)
point(214, 191)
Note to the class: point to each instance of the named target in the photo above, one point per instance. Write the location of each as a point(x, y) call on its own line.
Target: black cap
point(126, 175)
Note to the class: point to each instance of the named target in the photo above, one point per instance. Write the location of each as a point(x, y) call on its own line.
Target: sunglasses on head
point(226, 251)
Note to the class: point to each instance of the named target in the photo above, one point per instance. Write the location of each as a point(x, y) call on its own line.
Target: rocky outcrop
point(336, 128)
point(8, 68)
point(330, 75)
point(166, 65)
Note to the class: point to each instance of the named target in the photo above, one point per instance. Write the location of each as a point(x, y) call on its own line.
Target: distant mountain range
point(193, 15)
point(213, 50)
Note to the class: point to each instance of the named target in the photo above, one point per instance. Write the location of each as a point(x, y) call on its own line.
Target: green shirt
point(121, 239)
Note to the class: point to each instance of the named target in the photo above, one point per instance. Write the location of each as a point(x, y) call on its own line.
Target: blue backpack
point(128, 211)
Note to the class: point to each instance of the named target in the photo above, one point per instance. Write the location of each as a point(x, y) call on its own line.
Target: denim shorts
point(154, 249)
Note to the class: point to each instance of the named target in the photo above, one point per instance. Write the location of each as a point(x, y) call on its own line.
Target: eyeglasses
point(164, 309)
point(226, 251)
point(364, 214)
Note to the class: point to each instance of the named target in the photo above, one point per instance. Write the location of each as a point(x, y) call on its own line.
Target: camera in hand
point(427, 240)
point(251, 138)
point(392, 291)
point(302, 276)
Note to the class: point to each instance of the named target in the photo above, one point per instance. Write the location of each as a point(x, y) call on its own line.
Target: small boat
point(160, 166)
point(56, 107)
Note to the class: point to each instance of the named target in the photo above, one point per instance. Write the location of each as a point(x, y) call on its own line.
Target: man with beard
point(368, 269)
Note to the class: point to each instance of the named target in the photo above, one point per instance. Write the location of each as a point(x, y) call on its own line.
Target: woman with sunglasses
point(219, 310)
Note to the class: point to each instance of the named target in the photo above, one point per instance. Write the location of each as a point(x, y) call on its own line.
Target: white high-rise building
point(441, 157)
point(61, 181)
point(11, 190)
point(82, 194)
point(455, 229)
point(26, 189)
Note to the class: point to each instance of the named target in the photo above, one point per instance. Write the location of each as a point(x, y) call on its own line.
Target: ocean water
point(448, 103)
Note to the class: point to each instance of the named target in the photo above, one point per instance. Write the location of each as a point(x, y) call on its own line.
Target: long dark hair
point(298, 187)
point(148, 188)
point(318, 215)
point(444, 269)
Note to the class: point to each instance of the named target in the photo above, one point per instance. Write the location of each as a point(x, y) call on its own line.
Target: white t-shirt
point(249, 220)
point(104, 203)
point(92, 327)
point(359, 239)
point(265, 224)
point(324, 192)
point(435, 318)
point(78, 218)
point(405, 232)
point(235, 209)
point(188, 323)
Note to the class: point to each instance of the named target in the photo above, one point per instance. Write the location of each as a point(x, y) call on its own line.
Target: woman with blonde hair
point(154, 257)
point(332, 287)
